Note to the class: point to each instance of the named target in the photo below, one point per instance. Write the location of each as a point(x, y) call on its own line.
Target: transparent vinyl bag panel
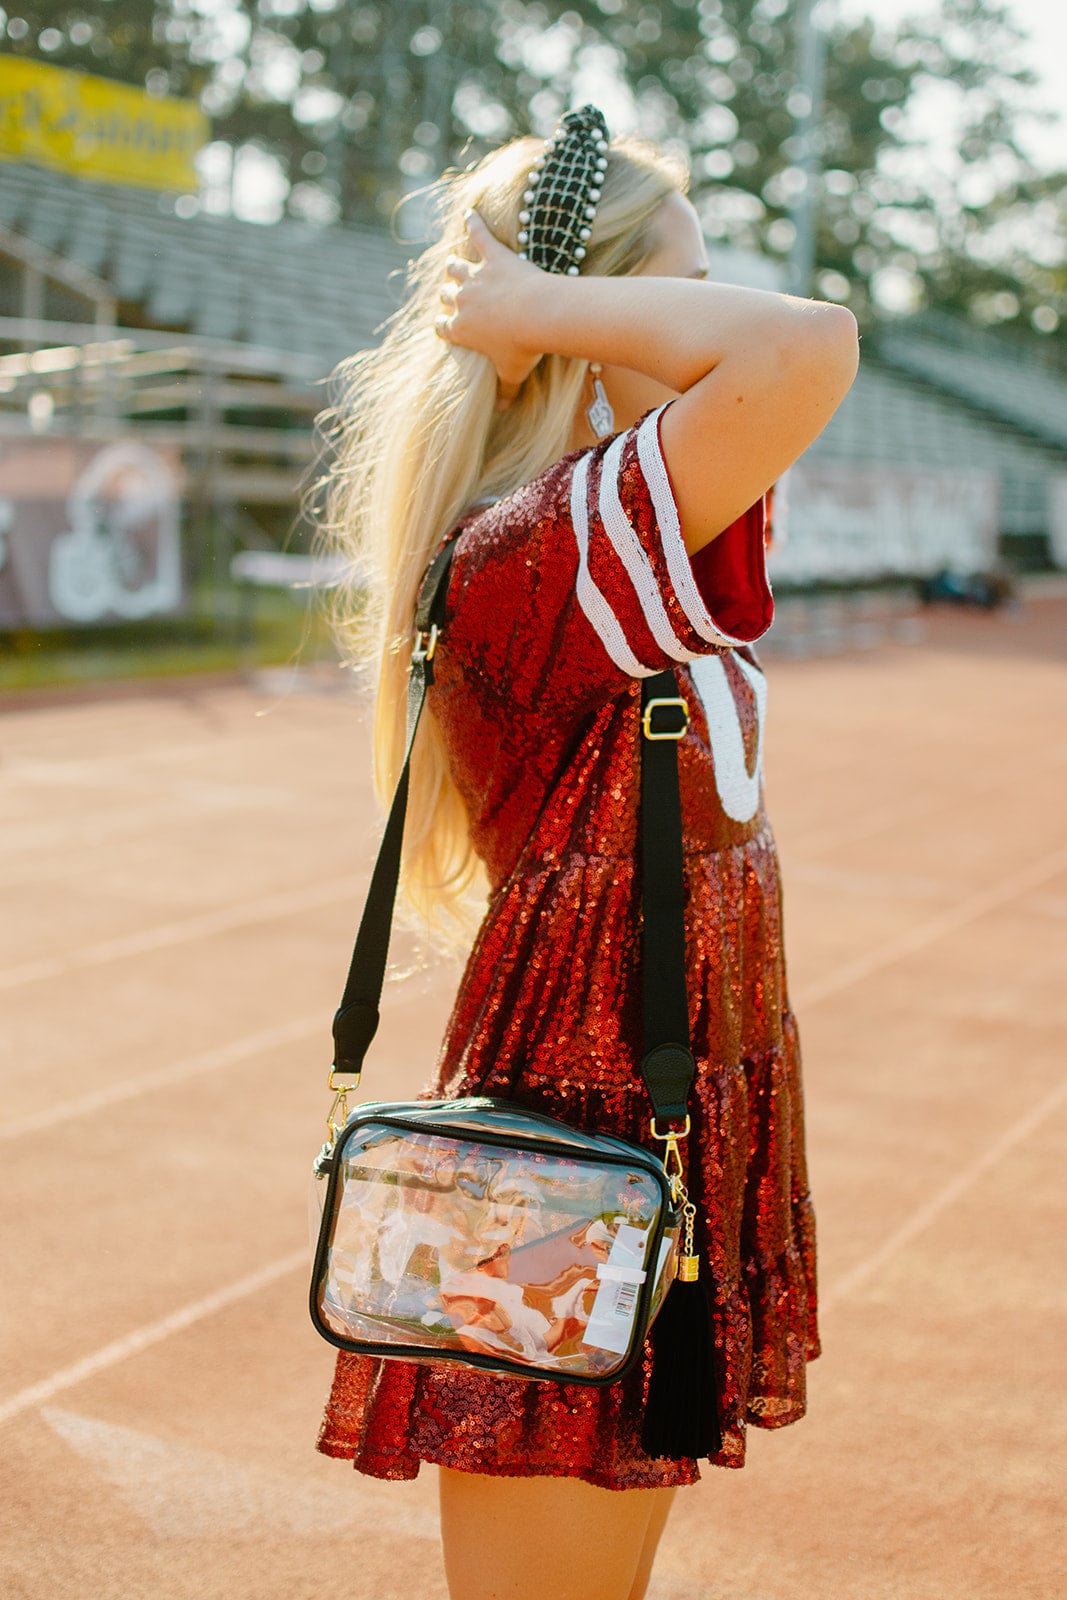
point(444, 1242)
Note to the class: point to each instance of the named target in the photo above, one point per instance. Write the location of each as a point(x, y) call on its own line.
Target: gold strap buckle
point(425, 643)
point(653, 705)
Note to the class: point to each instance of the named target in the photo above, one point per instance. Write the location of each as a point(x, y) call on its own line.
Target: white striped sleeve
point(651, 605)
point(594, 603)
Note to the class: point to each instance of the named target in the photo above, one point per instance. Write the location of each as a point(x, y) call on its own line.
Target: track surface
point(183, 871)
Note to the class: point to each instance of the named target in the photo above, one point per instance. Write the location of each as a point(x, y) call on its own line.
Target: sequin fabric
point(562, 596)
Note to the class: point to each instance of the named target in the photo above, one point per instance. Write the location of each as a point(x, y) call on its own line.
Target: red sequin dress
point(562, 597)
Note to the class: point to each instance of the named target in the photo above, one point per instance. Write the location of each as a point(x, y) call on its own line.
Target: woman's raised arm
point(759, 374)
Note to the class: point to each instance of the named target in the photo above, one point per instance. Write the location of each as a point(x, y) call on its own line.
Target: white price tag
point(621, 1276)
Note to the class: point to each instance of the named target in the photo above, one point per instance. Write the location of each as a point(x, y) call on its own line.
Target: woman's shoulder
point(587, 561)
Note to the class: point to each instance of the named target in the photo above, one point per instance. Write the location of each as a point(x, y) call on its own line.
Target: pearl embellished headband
point(561, 196)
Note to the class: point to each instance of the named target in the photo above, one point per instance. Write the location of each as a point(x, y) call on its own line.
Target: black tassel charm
point(681, 1416)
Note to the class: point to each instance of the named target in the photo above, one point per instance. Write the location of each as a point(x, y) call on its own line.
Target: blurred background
point(198, 219)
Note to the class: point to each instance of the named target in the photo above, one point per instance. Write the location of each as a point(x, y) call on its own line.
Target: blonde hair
point(417, 440)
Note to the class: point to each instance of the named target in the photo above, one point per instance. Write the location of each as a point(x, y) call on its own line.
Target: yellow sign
point(97, 128)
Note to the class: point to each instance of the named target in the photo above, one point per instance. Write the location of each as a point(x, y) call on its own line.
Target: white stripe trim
point(634, 557)
point(738, 788)
point(604, 622)
point(675, 554)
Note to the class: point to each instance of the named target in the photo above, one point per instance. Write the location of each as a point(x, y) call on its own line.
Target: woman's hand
point(483, 300)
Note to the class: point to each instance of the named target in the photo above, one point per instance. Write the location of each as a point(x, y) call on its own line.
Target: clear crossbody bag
point(477, 1231)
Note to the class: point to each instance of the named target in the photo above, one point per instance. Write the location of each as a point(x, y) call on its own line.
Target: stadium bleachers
point(983, 369)
point(889, 420)
point(293, 285)
point(931, 393)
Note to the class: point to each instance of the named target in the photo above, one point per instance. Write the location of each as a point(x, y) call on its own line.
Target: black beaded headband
point(562, 193)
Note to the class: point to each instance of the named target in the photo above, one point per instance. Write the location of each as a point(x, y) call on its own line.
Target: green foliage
point(150, 43)
point(362, 102)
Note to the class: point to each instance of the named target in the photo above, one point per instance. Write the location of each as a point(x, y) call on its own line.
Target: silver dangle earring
point(601, 416)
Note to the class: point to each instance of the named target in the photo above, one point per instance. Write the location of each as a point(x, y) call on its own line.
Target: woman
point(590, 551)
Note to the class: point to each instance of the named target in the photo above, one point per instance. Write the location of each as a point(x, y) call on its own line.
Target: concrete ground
point(183, 871)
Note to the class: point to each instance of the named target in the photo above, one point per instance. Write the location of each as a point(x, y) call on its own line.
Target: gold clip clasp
point(338, 1112)
point(688, 1267)
point(425, 643)
point(653, 705)
point(673, 1165)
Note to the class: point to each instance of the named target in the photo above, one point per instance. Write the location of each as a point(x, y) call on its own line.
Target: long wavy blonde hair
point(416, 440)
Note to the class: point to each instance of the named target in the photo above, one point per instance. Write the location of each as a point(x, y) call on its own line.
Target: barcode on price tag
point(621, 1276)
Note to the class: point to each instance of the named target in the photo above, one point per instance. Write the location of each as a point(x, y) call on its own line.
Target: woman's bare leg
point(656, 1524)
point(547, 1538)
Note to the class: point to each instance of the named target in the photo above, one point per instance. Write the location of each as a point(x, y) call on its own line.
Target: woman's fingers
point(458, 272)
point(479, 234)
point(447, 296)
point(477, 303)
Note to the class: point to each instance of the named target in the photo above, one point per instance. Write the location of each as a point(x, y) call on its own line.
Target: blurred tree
point(161, 45)
point(962, 222)
point(361, 102)
point(949, 212)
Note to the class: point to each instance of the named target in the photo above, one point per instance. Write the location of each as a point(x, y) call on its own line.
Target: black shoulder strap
point(356, 1020)
point(667, 1066)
